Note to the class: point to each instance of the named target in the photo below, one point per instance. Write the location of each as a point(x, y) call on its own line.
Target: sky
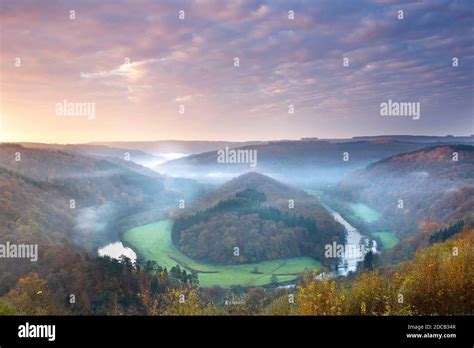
point(80, 71)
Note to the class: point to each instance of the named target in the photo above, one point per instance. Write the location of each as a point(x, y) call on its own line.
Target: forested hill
point(67, 201)
point(299, 162)
point(97, 151)
point(87, 180)
point(450, 162)
point(428, 188)
point(278, 195)
point(53, 198)
point(262, 217)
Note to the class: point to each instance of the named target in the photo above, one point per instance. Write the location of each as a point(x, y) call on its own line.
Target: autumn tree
point(319, 297)
point(182, 302)
point(32, 296)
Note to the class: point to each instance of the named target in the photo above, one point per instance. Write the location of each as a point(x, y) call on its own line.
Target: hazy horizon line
point(240, 141)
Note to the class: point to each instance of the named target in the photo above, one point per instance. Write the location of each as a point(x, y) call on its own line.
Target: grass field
point(153, 242)
point(388, 239)
point(365, 212)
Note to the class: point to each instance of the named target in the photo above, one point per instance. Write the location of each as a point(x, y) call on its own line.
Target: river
point(347, 263)
point(354, 241)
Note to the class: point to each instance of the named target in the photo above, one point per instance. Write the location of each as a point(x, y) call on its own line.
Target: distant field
point(365, 212)
point(388, 239)
point(153, 242)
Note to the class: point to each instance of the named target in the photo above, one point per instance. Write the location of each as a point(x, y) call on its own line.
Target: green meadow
point(369, 215)
point(365, 212)
point(153, 242)
point(388, 239)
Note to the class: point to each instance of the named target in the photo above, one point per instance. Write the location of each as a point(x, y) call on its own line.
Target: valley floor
point(153, 242)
